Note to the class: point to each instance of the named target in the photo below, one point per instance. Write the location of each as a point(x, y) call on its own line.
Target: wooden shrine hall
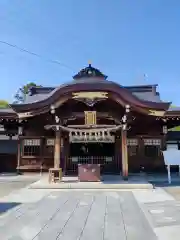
point(91, 120)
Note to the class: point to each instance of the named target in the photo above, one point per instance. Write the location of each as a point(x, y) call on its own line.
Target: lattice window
point(152, 147)
point(31, 147)
point(152, 151)
point(90, 117)
point(132, 142)
point(155, 142)
point(32, 142)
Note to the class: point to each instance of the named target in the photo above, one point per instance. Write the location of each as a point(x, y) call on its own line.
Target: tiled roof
point(143, 92)
point(36, 98)
point(174, 109)
point(7, 110)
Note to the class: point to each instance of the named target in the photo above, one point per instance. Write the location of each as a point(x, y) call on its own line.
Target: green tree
point(22, 92)
point(4, 104)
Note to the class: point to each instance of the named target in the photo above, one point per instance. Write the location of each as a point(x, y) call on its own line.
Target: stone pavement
point(174, 191)
point(149, 214)
point(10, 183)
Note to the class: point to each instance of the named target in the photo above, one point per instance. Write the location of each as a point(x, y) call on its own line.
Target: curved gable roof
point(90, 84)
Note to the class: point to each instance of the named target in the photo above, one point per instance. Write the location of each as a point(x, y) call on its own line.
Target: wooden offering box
point(89, 172)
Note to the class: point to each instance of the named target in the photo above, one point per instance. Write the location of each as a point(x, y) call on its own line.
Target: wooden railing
point(108, 164)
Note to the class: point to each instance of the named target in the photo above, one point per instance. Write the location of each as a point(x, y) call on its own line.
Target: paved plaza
point(71, 214)
point(13, 183)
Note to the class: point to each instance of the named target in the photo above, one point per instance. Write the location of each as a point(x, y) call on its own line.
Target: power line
point(36, 54)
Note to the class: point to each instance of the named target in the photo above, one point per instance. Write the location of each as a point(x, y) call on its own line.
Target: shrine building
point(90, 120)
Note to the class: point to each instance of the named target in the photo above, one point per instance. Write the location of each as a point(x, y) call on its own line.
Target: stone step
point(90, 185)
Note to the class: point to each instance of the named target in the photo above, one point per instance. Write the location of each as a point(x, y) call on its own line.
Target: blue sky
point(125, 39)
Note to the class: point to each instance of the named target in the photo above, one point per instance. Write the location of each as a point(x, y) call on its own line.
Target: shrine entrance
point(90, 144)
point(93, 151)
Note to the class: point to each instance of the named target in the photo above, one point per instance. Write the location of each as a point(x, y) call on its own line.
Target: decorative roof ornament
point(89, 72)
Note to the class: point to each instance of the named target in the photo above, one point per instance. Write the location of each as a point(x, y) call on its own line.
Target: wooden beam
point(115, 116)
point(91, 126)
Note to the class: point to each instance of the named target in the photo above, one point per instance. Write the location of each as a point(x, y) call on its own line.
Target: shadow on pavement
point(4, 207)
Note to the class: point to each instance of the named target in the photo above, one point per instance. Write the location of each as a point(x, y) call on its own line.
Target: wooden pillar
point(164, 138)
point(20, 132)
point(62, 152)
point(117, 154)
point(141, 156)
point(42, 143)
point(124, 154)
point(57, 149)
point(18, 155)
point(66, 154)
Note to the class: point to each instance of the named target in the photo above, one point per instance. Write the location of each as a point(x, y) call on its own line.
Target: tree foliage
point(22, 92)
point(4, 104)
